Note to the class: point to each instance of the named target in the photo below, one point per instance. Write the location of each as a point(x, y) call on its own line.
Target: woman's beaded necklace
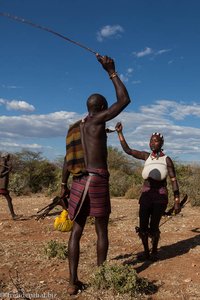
point(156, 155)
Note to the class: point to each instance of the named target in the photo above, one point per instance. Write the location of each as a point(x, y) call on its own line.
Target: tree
point(32, 172)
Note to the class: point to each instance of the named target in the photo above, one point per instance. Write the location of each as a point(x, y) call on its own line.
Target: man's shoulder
point(74, 125)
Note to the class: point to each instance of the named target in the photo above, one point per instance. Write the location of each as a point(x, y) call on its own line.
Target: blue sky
point(45, 80)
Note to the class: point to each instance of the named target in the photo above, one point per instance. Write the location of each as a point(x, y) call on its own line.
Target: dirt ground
point(24, 265)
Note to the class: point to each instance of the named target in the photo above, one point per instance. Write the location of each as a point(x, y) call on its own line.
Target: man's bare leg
point(73, 256)
point(10, 206)
point(101, 226)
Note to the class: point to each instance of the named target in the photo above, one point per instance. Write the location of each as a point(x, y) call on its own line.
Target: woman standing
point(154, 197)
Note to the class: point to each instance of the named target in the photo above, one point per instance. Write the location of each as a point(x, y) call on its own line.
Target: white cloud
point(149, 51)
point(41, 126)
point(10, 86)
point(42, 132)
point(159, 52)
point(17, 105)
point(181, 142)
point(2, 101)
point(145, 52)
point(136, 81)
point(130, 70)
point(125, 77)
point(175, 110)
point(5, 145)
point(109, 31)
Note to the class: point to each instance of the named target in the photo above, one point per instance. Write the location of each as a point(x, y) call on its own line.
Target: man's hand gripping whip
point(42, 213)
point(18, 19)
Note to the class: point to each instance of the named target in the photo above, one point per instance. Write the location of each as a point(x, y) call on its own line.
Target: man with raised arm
point(86, 161)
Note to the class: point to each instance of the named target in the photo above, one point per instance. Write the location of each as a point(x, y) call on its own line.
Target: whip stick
point(18, 19)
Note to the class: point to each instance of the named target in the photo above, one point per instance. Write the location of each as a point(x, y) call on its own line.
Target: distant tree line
point(32, 173)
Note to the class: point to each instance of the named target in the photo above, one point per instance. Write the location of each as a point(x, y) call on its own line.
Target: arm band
point(173, 179)
point(114, 74)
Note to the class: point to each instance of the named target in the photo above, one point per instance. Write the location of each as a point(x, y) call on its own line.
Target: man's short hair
point(95, 103)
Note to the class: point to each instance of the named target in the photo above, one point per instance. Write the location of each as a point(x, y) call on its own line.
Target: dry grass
point(25, 265)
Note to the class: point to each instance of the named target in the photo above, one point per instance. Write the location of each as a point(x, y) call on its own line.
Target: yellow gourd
point(62, 222)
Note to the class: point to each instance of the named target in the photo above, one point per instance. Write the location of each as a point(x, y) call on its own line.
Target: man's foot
point(73, 289)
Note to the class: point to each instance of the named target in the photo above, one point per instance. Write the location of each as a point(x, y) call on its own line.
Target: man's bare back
point(89, 193)
point(95, 144)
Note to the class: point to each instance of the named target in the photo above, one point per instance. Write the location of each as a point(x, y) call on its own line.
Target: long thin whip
point(18, 19)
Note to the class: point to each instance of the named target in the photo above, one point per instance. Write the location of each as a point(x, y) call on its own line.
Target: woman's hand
point(119, 127)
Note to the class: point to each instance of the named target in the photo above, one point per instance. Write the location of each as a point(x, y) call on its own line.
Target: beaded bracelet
point(114, 74)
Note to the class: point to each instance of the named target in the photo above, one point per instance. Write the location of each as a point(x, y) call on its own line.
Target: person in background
point(5, 168)
point(154, 197)
point(86, 161)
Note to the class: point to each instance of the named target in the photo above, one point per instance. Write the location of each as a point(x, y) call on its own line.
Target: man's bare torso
point(95, 144)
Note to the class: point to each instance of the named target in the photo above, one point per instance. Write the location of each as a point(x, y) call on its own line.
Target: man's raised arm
point(122, 95)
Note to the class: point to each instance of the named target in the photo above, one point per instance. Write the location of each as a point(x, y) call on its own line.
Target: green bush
point(119, 183)
point(188, 179)
point(56, 249)
point(133, 192)
point(122, 279)
point(18, 184)
point(32, 173)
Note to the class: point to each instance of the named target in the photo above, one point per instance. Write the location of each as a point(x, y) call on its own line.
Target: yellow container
point(62, 222)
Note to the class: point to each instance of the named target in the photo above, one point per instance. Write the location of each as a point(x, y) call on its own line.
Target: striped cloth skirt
point(97, 200)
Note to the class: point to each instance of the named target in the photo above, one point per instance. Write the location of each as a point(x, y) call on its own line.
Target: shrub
point(33, 173)
point(18, 184)
point(120, 279)
point(133, 192)
point(119, 183)
point(56, 249)
point(188, 179)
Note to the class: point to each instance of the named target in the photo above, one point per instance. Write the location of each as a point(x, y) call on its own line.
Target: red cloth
point(97, 201)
